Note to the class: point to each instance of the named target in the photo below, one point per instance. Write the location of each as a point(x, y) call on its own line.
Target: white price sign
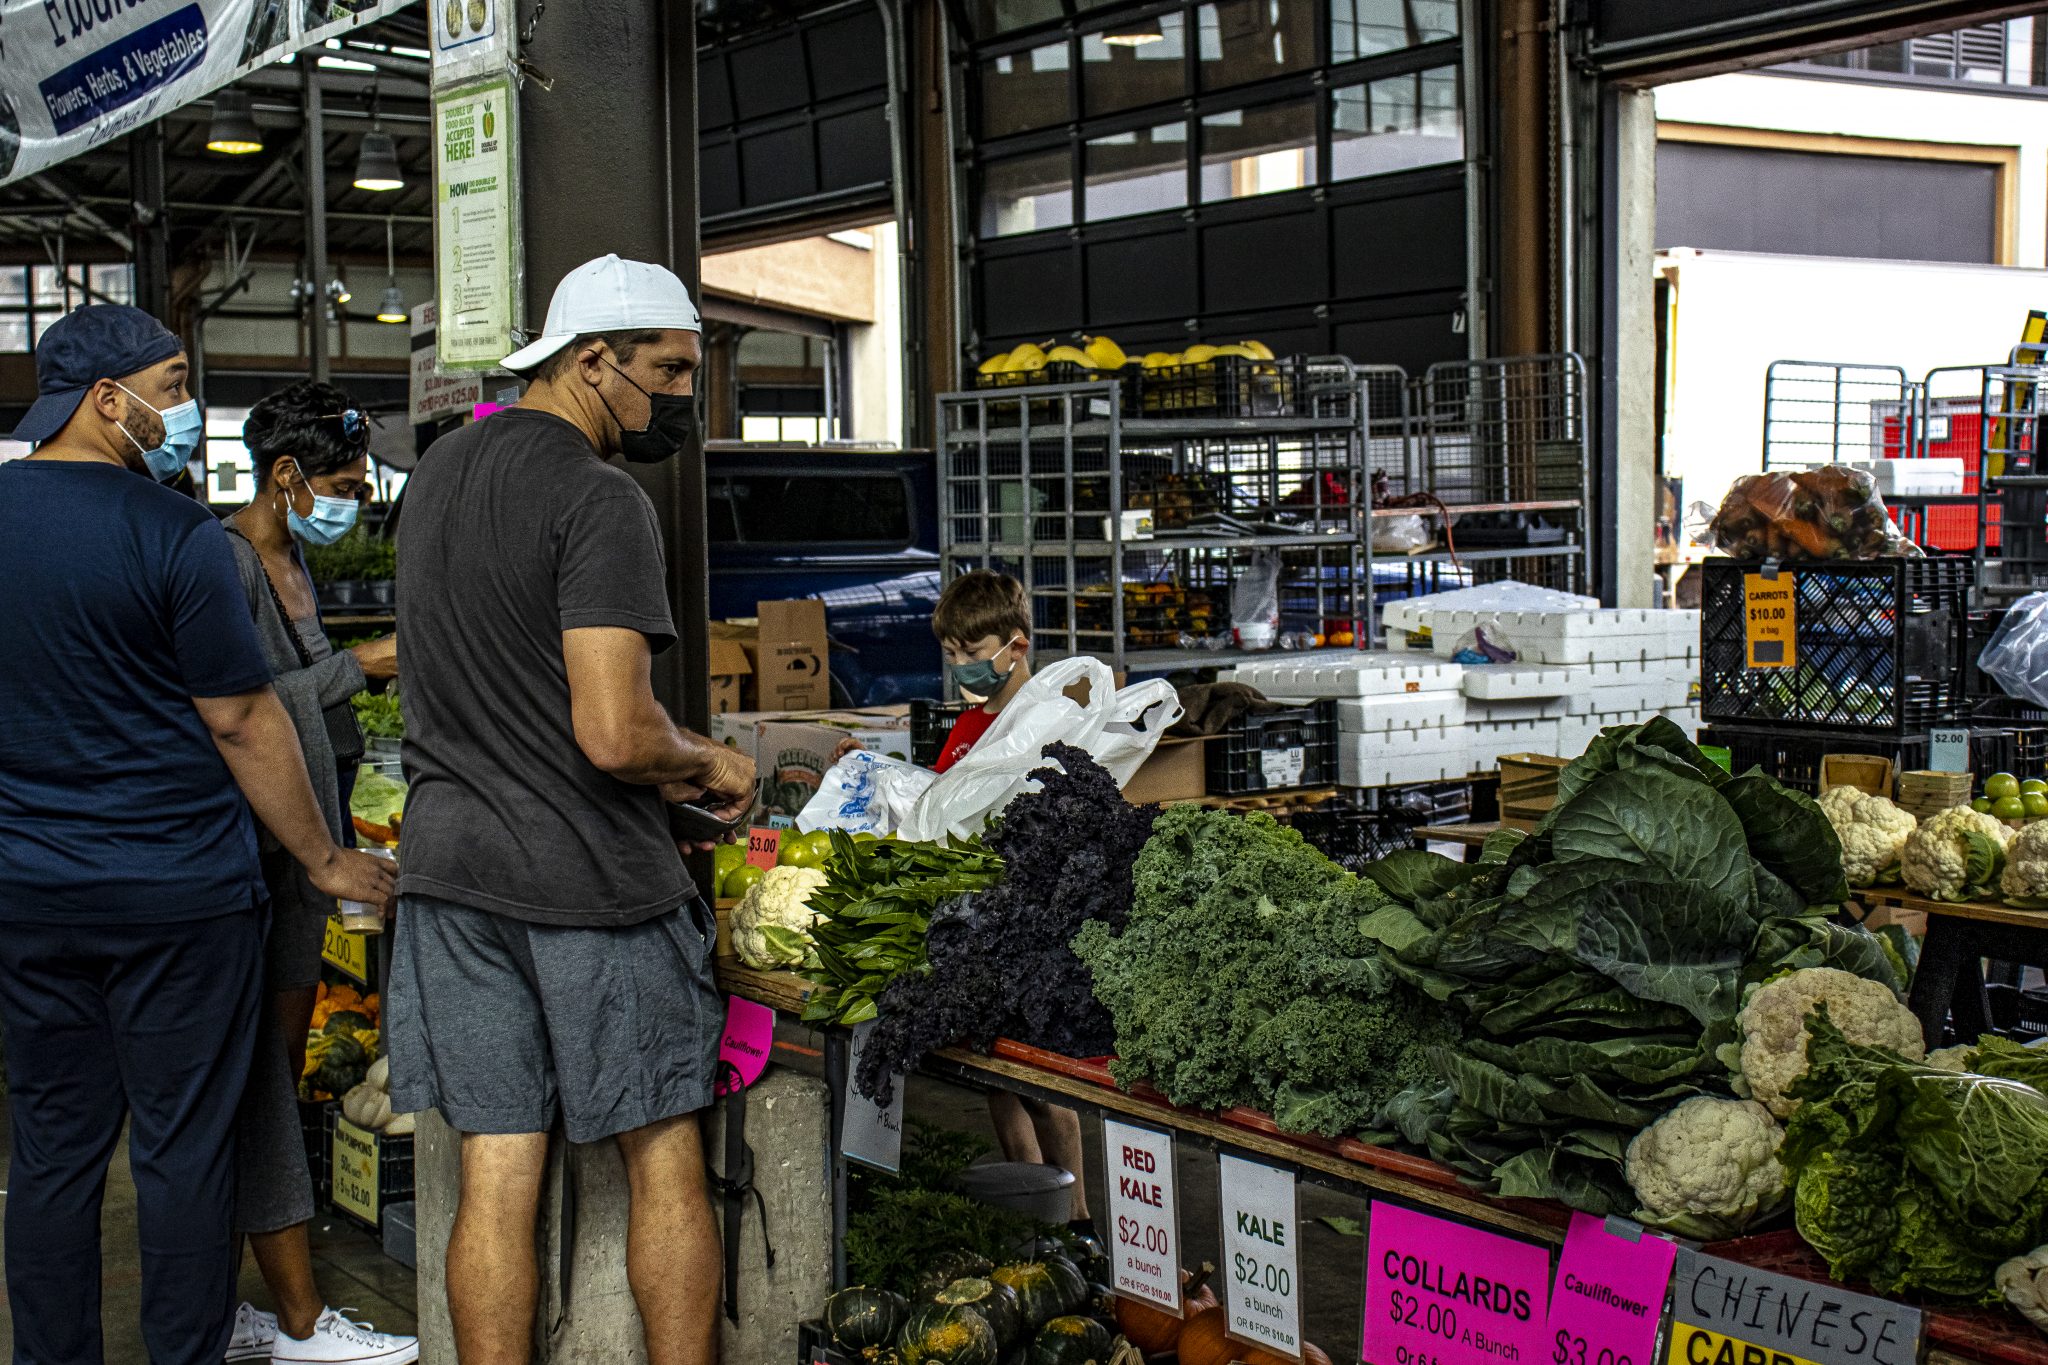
point(1145, 1257)
point(1262, 1285)
point(870, 1132)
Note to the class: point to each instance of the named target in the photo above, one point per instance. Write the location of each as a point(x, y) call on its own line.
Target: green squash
point(1072, 1341)
point(347, 1021)
point(1072, 1284)
point(945, 1334)
point(342, 1066)
point(957, 1264)
point(996, 1302)
point(1040, 1294)
point(861, 1317)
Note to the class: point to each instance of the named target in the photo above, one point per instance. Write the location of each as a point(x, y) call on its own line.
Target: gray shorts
point(501, 1024)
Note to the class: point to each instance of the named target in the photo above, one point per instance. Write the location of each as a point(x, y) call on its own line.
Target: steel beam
point(149, 221)
point(315, 150)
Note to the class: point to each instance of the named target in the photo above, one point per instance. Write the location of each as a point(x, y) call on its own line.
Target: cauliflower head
point(1873, 832)
point(1773, 1027)
point(771, 926)
point(2026, 865)
point(1955, 855)
point(2023, 1284)
point(1960, 1058)
point(1708, 1168)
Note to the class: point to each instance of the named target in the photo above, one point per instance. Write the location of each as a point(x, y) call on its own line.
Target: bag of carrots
point(1830, 512)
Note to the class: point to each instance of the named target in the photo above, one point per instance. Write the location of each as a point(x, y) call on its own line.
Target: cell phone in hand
point(700, 824)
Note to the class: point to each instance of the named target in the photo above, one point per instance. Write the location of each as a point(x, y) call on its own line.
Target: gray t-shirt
point(513, 532)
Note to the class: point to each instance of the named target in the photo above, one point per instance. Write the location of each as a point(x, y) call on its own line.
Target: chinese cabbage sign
point(76, 74)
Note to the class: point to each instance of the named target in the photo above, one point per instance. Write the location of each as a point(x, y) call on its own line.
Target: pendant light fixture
point(234, 131)
point(377, 167)
point(393, 308)
point(1135, 33)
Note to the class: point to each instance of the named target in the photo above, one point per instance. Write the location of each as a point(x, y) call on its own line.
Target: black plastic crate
point(394, 1170)
point(930, 723)
point(1351, 837)
point(814, 1346)
point(1222, 386)
point(1794, 757)
point(1878, 646)
point(1281, 751)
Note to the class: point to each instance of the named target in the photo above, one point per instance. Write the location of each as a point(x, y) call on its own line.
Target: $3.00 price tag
point(1145, 1258)
point(1609, 1295)
point(764, 846)
point(1263, 1290)
point(1442, 1293)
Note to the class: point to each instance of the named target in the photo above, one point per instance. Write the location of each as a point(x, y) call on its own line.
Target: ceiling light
point(377, 163)
point(234, 131)
point(337, 292)
point(1135, 33)
point(393, 308)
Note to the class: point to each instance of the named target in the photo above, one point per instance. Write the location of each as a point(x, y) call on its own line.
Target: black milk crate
point(1793, 757)
point(1281, 751)
point(1878, 646)
point(1365, 827)
point(1222, 386)
point(814, 1346)
point(930, 723)
point(394, 1171)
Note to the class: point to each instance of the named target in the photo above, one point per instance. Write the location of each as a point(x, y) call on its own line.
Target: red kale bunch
point(998, 963)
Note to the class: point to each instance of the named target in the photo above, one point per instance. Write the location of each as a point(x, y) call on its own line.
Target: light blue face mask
point(331, 519)
point(182, 425)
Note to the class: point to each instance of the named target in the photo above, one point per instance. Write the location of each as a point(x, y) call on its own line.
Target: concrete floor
point(349, 1263)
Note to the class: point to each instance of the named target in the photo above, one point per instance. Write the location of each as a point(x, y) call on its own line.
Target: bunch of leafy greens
point(998, 964)
point(1597, 965)
point(877, 901)
point(1241, 978)
point(378, 714)
point(1909, 1177)
point(898, 1225)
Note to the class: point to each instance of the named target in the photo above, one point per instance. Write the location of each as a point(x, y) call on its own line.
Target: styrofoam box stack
point(1347, 673)
point(1602, 635)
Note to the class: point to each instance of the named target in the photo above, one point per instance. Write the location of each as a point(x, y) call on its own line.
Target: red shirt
point(966, 733)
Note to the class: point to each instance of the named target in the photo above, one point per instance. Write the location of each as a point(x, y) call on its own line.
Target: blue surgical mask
point(979, 676)
point(330, 521)
point(182, 425)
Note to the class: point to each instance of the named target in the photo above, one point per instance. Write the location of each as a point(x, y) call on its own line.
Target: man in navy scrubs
point(138, 730)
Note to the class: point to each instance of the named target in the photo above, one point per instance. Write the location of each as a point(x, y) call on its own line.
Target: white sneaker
point(255, 1330)
point(335, 1338)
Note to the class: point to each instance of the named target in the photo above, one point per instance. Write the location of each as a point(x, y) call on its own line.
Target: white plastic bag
point(1255, 601)
point(2017, 657)
point(1118, 729)
point(865, 793)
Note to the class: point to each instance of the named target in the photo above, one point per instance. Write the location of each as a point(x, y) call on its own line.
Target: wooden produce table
point(1471, 836)
point(1950, 981)
point(1953, 1334)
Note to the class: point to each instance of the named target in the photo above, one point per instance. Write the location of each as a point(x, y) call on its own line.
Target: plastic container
point(1222, 386)
point(1045, 1193)
point(1793, 757)
point(360, 917)
point(1281, 751)
point(401, 1234)
point(930, 723)
point(1878, 647)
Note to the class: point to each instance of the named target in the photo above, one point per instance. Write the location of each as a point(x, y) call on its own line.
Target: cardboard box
point(731, 675)
point(1178, 770)
point(788, 658)
point(793, 750)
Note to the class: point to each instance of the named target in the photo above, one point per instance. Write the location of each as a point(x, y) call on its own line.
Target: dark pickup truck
point(856, 529)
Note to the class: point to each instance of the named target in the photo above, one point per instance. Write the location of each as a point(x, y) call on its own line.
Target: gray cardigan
point(305, 692)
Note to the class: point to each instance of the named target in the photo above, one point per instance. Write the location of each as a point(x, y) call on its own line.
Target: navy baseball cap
point(95, 342)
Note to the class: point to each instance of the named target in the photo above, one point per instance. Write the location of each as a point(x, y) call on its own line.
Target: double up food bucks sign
point(1728, 1314)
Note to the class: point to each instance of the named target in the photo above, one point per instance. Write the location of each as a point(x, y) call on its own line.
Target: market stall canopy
point(76, 75)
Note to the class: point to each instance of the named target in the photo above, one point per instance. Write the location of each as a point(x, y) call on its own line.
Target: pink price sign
point(1442, 1293)
point(749, 1034)
point(1609, 1294)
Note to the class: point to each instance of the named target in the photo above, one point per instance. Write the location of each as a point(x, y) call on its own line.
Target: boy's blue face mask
point(979, 676)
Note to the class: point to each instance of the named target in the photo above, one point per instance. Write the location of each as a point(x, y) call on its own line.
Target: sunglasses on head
point(354, 425)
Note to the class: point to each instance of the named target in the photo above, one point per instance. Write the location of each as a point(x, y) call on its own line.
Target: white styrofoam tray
point(1524, 708)
point(1644, 698)
point(1422, 711)
point(1403, 756)
point(1351, 673)
point(1518, 681)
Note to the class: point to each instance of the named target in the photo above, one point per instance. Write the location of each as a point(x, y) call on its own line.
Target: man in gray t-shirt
point(552, 959)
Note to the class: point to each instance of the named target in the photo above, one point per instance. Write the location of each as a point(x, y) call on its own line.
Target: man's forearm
point(666, 752)
point(263, 754)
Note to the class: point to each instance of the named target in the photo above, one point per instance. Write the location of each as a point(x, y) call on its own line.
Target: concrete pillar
point(1632, 496)
point(596, 1322)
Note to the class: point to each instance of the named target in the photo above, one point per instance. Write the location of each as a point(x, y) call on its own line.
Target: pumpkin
point(946, 1334)
point(960, 1263)
point(1040, 1293)
point(1203, 1340)
point(342, 1065)
point(995, 1301)
point(347, 1021)
point(1072, 1340)
point(1150, 1329)
point(1072, 1284)
point(860, 1317)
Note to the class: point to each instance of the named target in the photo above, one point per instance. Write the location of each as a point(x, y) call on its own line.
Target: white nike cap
point(609, 295)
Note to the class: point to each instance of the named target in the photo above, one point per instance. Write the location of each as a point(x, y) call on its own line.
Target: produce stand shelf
point(1952, 1334)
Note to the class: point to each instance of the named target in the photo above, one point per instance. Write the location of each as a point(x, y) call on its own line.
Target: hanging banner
point(472, 38)
point(76, 74)
point(435, 395)
point(476, 213)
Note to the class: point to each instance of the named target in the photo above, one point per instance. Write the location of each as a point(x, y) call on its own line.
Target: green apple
point(2033, 784)
point(2009, 808)
point(1982, 805)
point(2001, 785)
point(2036, 804)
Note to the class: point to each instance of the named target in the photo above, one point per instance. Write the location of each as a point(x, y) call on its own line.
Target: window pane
point(1248, 40)
point(1360, 28)
point(1139, 172)
point(49, 289)
point(13, 334)
point(1024, 90)
point(1396, 124)
point(760, 429)
point(13, 286)
point(1115, 76)
point(1000, 16)
point(117, 282)
point(801, 509)
point(1259, 151)
point(1027, 194)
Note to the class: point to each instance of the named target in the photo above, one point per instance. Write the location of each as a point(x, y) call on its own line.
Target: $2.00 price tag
point(764, 846)
point(1609, 1295)
point(1442, 1293)
point(1263, 1290)
point(1145, 1257)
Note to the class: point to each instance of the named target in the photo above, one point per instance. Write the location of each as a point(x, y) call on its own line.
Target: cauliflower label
point(1609, 1293)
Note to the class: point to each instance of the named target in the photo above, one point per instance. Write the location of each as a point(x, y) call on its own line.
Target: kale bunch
point(998, 964)
point(1241, 978)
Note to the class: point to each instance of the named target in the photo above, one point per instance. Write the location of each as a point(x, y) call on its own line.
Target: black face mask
point(671, 424)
